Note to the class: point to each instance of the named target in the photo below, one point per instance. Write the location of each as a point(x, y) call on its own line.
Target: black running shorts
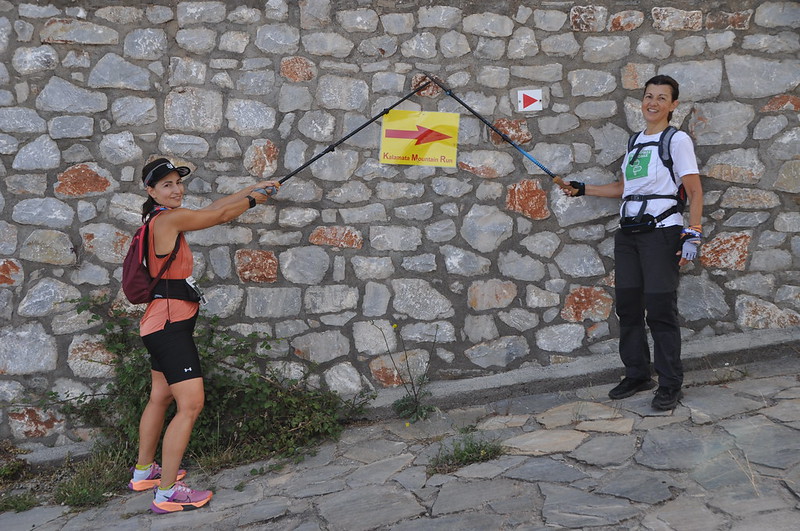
point(173, 351)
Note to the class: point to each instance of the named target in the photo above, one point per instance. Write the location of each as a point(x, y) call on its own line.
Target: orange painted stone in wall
point(516, 130)
point(589, 18)
point(486, 172)
point(337, 237)
point(261, 158)
point(740, 20)
point(10, 272)
point(587, 303)
point(727, 251)
point(625, 20)
point(32, 422)
point(784, 102)
point(81, 180)
point(298, 69)
point(391, 373)
point(635, 75)
point(672, 19)
point(254, 265)
point(528, 198)
point(431, 91)
point(491, 294)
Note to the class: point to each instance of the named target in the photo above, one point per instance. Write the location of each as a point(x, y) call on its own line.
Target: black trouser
point(647, 291)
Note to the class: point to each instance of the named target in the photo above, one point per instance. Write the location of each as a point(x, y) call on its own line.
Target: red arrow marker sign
point(527, 101)
point(422, 135)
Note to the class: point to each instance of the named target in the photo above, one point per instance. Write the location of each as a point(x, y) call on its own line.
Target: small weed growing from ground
point(465, 451)
point(13, 470)
point(17, 502)
point(410, 406)
point(91, 482)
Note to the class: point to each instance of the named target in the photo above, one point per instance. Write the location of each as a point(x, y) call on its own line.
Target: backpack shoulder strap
point(632, 141)
point(664, 143)
point(172, 255)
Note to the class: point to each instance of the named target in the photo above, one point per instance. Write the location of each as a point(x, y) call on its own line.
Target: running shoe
point(629, 387)
point(182, 499)
point(153, 480)
point(666, 398)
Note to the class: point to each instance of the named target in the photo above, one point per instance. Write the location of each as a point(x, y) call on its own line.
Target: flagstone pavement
point(727, 458)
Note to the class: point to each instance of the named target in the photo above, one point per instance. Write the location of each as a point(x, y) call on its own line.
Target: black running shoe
point(666, 398)
point(629, 387)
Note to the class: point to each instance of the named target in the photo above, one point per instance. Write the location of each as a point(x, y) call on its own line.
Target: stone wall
point(488, 257)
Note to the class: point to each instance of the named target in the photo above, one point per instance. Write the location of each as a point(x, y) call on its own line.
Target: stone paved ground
point(727, 458)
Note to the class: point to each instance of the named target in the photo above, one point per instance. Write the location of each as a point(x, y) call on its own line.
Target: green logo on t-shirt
point(638, 169)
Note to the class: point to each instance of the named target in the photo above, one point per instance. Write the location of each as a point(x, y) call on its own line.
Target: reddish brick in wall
point(253, 265)
point(635, 75)
point(587, 303)
point(10, 272)
point(81, 180)
point(588, 18)
point(727, 251)
point(625, 21)
point(487, 172)
point(516, 130)
point(264, 159)
point(33, 422)
point(671, 19)
point(528, 198)
point(431, 91)
point(784, 102)
point(298, 69)
point(491, 294)
point(391, 371)
point(337, 237)
point(739, 20)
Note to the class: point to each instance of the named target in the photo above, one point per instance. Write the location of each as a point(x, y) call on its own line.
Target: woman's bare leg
point(190, 398)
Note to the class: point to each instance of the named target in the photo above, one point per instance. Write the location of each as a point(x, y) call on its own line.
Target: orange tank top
point(161, 311)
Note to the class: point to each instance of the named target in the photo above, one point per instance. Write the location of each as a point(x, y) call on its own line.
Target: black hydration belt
point(168, 288)
point(643, 222)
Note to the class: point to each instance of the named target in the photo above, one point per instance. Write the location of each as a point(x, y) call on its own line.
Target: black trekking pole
point(502, 135)
point(332, 147)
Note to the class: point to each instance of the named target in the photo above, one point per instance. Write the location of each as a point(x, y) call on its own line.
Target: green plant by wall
point(412, 405)
point(17, 502)
point(251, 411)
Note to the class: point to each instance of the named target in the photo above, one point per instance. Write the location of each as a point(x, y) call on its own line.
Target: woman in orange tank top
point(167, 331)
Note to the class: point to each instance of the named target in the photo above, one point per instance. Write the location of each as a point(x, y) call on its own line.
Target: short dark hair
point(664, 80)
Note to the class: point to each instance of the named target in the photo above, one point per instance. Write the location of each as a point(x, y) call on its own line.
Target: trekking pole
point(502, 135)
point(271, 189)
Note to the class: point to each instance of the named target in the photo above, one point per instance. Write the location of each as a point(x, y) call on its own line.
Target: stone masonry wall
point(487, 257)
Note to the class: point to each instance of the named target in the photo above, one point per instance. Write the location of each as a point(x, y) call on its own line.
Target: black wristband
point(251, 200)
point(579, 186)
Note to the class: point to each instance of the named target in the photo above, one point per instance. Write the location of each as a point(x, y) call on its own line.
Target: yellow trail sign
point(419, 138)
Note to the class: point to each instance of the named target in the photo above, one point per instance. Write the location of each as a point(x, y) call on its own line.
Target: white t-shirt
point(648, 175)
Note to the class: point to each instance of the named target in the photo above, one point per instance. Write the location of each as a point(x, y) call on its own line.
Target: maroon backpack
point(137, 283)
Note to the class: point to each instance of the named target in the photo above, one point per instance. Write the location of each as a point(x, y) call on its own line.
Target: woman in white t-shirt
point(652, 244)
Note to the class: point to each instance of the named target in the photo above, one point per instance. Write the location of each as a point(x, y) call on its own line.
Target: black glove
point(579, 186)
